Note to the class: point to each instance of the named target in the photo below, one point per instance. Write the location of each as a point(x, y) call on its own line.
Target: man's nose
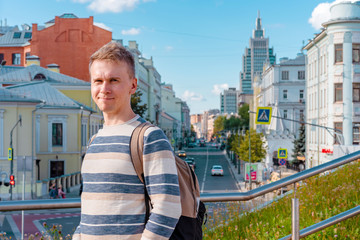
point(105, 87)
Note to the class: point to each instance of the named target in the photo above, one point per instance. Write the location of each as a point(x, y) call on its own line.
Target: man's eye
point(113, 80)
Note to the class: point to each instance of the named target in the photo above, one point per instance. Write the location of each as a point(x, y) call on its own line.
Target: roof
point(17, 75)
point(299, 60)
point(65, 15)
point(16, 38)
point(5, 29)
point(9, 96)
point(43, 91)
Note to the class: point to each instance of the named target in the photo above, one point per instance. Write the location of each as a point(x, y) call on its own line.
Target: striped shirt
point(113, 200)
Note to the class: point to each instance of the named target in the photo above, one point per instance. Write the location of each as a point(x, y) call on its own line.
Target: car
point(191, 162)
point(192, 145)
point(217, 170)
point(182, 154)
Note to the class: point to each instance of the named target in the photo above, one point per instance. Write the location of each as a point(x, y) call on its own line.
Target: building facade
point(333, 86)
point(282, 87)
point(256, 55)
point(229, 100)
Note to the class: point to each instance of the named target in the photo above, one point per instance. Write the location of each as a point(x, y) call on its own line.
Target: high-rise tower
point(254, 58)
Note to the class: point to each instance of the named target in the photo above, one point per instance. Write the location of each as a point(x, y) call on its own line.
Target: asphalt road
point(68, 219)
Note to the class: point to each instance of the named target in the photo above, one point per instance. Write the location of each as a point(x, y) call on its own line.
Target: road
point(204, 157)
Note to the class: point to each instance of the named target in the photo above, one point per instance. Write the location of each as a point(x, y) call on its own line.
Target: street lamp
point(12, 151)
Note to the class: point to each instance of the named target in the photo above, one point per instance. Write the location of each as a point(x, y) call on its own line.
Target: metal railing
point(231, 196)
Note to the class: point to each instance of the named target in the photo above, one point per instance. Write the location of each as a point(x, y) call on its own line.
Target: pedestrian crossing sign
point(263, 115)
point(282, 153)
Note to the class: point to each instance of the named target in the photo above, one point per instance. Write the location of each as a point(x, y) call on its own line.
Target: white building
point(282, 87)
point(333, 85)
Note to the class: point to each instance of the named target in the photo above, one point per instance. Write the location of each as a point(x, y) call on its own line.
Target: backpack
point(189, 226)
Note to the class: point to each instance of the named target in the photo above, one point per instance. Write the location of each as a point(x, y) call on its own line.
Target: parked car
point(191, 162)
point(217, 170)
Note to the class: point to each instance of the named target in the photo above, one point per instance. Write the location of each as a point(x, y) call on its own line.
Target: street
point(69, 219)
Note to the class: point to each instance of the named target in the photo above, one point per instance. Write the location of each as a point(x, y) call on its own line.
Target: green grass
point(321, 197)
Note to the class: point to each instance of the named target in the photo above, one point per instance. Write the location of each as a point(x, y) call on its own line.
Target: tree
point(299, 144)
point(258, 151)
point(244, 115)
point(135, 103)
point(219, 125)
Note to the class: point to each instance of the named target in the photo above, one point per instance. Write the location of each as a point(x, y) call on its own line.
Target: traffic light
point(12, 180)
point(6, 181)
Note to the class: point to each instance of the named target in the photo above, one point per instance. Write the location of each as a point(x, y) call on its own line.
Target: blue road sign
point(282, 161)
point(282, 153)
point(263, 115)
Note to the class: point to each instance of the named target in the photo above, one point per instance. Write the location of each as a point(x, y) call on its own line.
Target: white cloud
point(102, 25)
point(321, 13)
point(115, 6)
point(131, 31)
point(218, 88)
point(191, 96)
point(169, 48)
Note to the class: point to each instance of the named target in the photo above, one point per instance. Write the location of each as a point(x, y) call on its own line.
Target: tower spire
point(258, 31)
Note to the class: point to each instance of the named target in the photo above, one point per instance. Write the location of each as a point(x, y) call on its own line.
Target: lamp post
point(12, 150)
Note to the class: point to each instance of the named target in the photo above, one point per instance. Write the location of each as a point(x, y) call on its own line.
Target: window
point(356, 92)
point(338, 53)
point(356, 133)
point(356, 53)
point(285, 114)
point(28, 35)
point(302, 115)
point(285, 75)
point(338, 126)
point(338, 92)
point(17, 35)
point(301, 94)
point(57, 135)
point(1, 57)
point(16, 58)
point(301, 75)
point(285, 94)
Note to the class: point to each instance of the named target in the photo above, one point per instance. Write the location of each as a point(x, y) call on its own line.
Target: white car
point(217, 170)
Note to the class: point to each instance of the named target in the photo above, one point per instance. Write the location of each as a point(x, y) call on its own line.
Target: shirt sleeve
point(162, 184)
point(76, 235)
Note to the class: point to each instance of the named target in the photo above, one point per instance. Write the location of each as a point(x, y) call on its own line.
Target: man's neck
point(118, 119)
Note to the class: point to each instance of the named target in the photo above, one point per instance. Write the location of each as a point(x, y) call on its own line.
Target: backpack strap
point(137, 147)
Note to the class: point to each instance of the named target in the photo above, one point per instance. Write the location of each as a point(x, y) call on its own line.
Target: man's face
point(111, 86)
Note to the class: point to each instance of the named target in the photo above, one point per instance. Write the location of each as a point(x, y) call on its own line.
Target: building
point(67, 41)
point(229, 101)
point(282, 87)
point(57, 120)
point(256, 55)
point(207, 123)
point(333, 86)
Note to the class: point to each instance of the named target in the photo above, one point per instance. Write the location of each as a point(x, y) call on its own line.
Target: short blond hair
point(115, 52)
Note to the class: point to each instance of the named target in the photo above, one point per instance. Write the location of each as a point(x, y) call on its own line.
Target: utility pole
point(12, 149)
point(250, 159)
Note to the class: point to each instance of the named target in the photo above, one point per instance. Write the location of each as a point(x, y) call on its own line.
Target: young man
point(113, 200)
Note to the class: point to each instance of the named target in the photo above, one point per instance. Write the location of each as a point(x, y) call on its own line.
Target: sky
point(196, 45)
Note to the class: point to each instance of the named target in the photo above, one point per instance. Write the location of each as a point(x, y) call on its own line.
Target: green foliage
point(244, 115)
point(299, 144)
point(240, 145)
point(135, 103)
point(321, 197)
point(219, 125)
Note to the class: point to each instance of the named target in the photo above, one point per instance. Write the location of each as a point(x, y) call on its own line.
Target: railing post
point(295, 216)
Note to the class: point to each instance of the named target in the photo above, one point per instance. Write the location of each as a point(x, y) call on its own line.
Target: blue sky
point(196, 45)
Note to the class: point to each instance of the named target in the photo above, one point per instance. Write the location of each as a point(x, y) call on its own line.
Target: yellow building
point(54, 131)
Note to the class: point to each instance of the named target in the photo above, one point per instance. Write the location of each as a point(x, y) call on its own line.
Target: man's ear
point(133, 86)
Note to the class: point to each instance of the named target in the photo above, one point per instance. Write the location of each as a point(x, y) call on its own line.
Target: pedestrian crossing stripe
point(263, 115)
point(282, 153)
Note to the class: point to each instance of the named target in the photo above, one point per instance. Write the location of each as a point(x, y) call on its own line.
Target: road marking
point(206, 166)
point(13, 227)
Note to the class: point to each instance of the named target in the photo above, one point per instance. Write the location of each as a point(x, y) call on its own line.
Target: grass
point(321, 197)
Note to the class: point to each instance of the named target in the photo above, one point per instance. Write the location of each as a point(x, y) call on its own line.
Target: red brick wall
point(69, 43)
point(8, 51)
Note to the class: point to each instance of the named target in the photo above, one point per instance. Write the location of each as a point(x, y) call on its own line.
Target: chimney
point(54, 67)
point(30, 60)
